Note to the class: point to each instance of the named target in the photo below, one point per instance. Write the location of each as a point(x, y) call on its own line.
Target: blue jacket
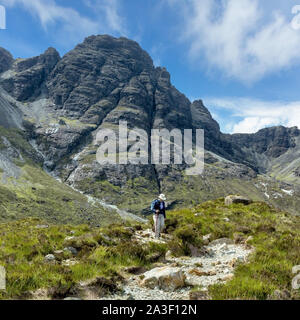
point(157, 207)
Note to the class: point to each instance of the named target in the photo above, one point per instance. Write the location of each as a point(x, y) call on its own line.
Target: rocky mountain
point(58, 104)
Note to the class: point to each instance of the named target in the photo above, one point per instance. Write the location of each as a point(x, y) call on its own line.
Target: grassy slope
point(276, 238)
point(36, 194)
point(103, 252)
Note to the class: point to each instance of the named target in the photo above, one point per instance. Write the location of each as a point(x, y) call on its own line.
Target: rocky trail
point(173, 278)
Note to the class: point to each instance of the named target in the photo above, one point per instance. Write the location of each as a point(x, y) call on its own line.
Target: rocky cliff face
point(273, 141)
point(65, 101)
point(27, 76)
point(6, 60)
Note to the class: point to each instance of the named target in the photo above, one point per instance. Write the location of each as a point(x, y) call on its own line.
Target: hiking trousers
point(159, 224)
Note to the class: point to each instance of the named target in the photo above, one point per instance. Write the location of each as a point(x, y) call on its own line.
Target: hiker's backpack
point(153, 204)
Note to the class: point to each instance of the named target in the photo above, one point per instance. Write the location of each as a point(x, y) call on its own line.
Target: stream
point(122, 213)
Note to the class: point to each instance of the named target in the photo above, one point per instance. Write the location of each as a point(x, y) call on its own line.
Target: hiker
point(158, 207)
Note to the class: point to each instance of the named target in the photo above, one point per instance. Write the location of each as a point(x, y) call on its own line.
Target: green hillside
point(105, 254)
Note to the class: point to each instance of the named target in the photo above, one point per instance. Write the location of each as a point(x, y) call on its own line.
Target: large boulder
point(165, 278)
point(229, 200)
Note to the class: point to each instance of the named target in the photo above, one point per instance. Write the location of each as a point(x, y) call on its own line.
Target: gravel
point(217, 267)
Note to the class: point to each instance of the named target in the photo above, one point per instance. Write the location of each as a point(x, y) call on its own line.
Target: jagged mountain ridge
point(65, 101)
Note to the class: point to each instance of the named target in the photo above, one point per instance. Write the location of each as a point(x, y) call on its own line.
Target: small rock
point(231, 252)
point(229, 200)
point(199, 295)
point(69, 262)
point(195, 252)
point(228, 277)
point(226, 219)
point(49, 258)
point(198, 214)
point(296, 269)
point(135, 270)
point(69, 238)
point(232, 263)
point(106, 237)
point(61, 122)
point(206, 238)
point(238, 238)
point(42, 226)
point(211, 273)
point(72, 250)
point(240, 259)
point(200, 273)
point(279, 295)
point(223, 247)
point(210, 252)
point(196, 272)
point(169, 255)
point(59, 254)
point(221, 241)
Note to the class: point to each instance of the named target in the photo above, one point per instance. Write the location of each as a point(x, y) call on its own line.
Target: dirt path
point(215, 267)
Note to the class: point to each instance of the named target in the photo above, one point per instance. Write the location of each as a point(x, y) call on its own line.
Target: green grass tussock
point(276, 240)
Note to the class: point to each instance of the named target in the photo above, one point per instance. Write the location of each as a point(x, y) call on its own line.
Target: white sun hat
point(162, 197)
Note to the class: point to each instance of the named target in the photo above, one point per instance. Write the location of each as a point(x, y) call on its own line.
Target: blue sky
point(242, 57)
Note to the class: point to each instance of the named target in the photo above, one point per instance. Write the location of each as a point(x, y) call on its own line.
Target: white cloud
point(72, 24)
point(110, 9)
point(248, 115)
point(242, 38)
point(253, 124)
